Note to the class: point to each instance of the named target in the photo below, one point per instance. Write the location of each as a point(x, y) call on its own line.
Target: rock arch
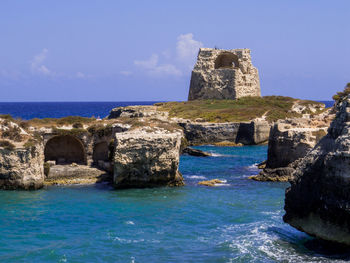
point(226, 60)
point(65, 149)
point(101, 152)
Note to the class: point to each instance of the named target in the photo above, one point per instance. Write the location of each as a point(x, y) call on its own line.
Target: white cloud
point(152, 67)
point(125, 73)
point(186, 47)
point(151, 63)
point(10, 74)
point(80, 75)
point(167, 69)
point(186, 51)
point(37, 64)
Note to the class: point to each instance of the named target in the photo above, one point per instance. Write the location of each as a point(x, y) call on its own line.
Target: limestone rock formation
point(195, 152)
point(255, 132)
point(318, 200)
point(224, 74)
point(137, 111)
point(289, 141)
point(147, 159)
point(211, 183)
point(22, 168)
point(75, 174)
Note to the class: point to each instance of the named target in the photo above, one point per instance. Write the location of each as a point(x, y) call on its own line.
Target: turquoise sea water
point(240, 221)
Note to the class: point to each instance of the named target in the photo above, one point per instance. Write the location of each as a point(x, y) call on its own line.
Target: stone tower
point(224, 74)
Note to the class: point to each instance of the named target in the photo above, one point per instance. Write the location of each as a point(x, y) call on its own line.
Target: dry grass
point(136, 123)
point(7, 145)
point(243, 109)
point(70, 120)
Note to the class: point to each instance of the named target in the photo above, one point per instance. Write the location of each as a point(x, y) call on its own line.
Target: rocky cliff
point(289, 141)
point(147, 158)
point(197, 133)
point(318, 200)
point(22, 168)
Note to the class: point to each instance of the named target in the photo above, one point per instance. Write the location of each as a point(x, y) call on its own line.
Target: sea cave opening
point(65, 149)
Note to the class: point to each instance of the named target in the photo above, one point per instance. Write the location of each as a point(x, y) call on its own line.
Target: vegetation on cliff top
point(243, 109)
point(342, 94)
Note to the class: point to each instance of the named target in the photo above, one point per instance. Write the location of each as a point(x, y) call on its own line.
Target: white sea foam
point(196, 177)
point(129, 223)
point(258, 240)
point(253, 166)
point(222, 184)
point(222, 155)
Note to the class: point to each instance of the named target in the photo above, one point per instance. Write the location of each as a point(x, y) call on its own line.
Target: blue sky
point(144, 50)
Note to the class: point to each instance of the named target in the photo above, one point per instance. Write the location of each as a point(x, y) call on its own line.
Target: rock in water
point(22, 168)
point(254, 132)
point(211, 183)
point(289, 141)
point(195, 152)
point(318, 201)
point(147, 159)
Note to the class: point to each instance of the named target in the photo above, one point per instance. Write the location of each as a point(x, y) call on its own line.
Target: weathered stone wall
point(147, 159)
point(22, 168)
point(224, 74)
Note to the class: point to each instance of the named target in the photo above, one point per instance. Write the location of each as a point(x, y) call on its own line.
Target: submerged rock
point(211, 183)
point(22, 168)
point(195, 152)
point(147, 159)
point(318, 201)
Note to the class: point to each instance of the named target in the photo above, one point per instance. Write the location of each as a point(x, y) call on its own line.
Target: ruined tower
point(224, 74)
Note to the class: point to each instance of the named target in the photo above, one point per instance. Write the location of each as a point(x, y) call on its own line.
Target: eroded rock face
point(224, 74)
point(22, 168)
point(289, 141)
point(318, 200)
point(137, 112)
point(147, 159)
point(255, 132)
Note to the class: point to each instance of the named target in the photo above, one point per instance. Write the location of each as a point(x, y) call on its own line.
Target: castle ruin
point(224, 74)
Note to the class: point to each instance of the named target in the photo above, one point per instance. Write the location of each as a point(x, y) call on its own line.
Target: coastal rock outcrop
point(136, 112)
point(318, 200)
point(75, 174)
point(195, 152)
point(255, 132)
point(289, 141)
point(224, 74)
point(22, 168)
point(147, 159)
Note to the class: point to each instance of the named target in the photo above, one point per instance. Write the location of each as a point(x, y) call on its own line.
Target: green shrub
point(72, 132)
point(78, 125)
point(6, 117)
point(23, 124)
point(111, 149)
point(46, 169)
point(7, 145)
point(13, 133)
point(30, 143)
point(101, 130)
point(341, 94)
